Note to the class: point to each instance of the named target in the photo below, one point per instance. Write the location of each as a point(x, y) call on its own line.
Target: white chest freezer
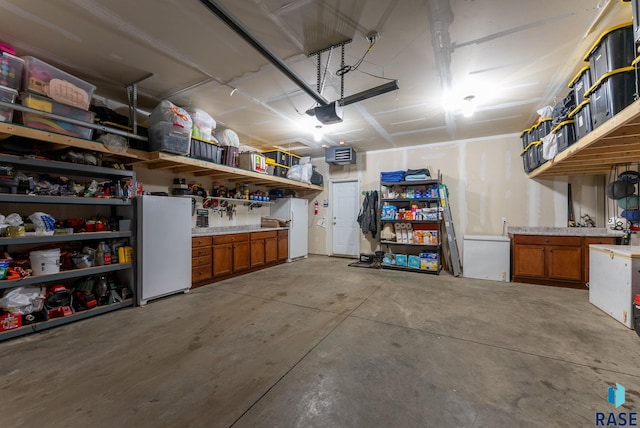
point(614, 279)
point(486, 257)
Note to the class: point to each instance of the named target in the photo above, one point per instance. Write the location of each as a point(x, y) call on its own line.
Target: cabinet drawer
point(199, 252)
point(548, 240)
point(225, 239)
point(201, 273)
point(197, 262)
point(263, 235)
point(201, 241)
point(283, 233)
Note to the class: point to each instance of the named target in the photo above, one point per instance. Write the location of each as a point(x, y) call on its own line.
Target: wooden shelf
point(9, 129)
point(182, 164)
point(161, 161)
point(617, 141)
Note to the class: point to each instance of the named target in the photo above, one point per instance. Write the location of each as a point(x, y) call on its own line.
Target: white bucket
point(45, 262)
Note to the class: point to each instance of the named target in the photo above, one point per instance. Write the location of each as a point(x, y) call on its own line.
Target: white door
point(345, 207)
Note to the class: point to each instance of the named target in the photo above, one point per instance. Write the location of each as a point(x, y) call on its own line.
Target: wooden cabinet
point(283, 245)
point(223, 256)
point(222, 259)
point(241, 253)
point(553, 260)
point(200, 259)
point(263, 248)
point(230, 254)
point(271, 250)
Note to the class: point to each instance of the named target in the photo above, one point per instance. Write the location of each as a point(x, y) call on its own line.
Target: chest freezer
point(487, 257)
point(614, 279)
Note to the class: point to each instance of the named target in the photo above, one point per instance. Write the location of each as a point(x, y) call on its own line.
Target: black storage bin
point(280, 171)
point(525, 162)
point(544, 128)
point(532, 156)
point(580, 84)
point(582, 118)
point(565, 134)
point(614, 49)
point(524, 136)
point(204, 150)
point(294, 159)
point(281, 157)
point(612, 93)
point(539, 158)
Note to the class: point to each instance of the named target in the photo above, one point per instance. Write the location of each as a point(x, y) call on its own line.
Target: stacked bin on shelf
point(613, 77)
point(10, 75)
point(56, 92)
point(565, 134)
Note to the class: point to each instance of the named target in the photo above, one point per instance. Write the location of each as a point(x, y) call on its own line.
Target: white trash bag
point(23, 300)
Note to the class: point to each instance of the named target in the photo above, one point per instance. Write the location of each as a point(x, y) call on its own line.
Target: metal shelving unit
point(411, 248)
point(22, 204)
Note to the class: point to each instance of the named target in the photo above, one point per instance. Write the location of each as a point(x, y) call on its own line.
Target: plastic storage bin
point(582, 119)
point(42, 78)
point(526, 164)
point(614, 49)
point(565, 134)
point(611, 93)
point(7, 95)
point(281, 157)
point(165, 137)
point(205, 150)
point(10, 70)
point(524, 136)
point(581, 83)
point(34, 120)
point(50, 106)
point(543, 127)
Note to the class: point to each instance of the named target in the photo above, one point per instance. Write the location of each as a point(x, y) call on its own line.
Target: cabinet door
point(585, 252)
point(257, 252)
point(222, 259)
point(241, 256)
point(283, 248)
point(564, 262)
point(270, 250)
point(529, 260)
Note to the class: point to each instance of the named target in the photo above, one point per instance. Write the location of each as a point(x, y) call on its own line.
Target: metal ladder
point(451, 247)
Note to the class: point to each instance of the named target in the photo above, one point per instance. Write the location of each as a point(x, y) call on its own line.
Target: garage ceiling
point(513, 57)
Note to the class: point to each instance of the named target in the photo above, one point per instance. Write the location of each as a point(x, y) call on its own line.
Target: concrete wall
point(486, 183)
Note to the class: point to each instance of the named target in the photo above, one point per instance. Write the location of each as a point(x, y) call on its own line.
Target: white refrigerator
point(297, 212)
point(163, 244)
point(614, 279)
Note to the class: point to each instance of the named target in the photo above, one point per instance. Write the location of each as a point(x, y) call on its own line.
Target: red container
point(10, 321)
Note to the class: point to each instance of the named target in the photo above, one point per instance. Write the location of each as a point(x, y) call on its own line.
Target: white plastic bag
point(166, 111)
point(549, 146)
point(546, 111)
point(295, 173)
point(23, 300)
point(228, 137)
point(203, 124)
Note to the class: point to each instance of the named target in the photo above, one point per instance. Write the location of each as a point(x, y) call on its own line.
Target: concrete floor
point(315, 343)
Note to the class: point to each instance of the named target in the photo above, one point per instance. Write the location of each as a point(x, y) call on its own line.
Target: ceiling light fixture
point(318, 134)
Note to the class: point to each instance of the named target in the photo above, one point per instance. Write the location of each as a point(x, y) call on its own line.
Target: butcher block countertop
point(214, 231)
point(564, 231)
